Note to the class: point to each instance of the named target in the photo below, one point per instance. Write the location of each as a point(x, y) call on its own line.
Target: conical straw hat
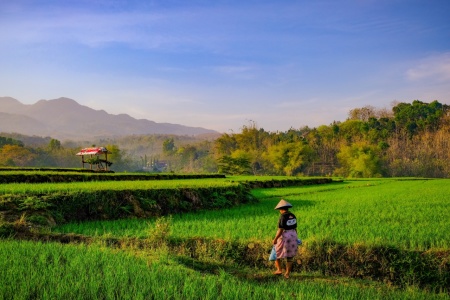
point(283, 204)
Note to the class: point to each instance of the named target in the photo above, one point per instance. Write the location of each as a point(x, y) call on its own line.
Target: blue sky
point(223, 64)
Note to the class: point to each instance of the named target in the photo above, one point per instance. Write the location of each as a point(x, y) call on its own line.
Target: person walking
point(285, 240)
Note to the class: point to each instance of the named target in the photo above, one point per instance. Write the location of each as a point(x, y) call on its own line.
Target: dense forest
point(411, 139)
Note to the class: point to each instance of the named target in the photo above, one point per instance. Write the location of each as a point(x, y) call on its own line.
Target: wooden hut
point(94, 159)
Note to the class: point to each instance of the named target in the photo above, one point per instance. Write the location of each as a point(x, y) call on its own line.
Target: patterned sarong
point(287, 244)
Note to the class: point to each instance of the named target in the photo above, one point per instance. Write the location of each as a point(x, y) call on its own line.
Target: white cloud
point(212, 26)
point(435, 67)
point(296, 103)
point(233, 69)
point(240, 72)
point(147, 29)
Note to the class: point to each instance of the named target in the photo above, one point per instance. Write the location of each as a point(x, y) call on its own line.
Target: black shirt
point(287, 221)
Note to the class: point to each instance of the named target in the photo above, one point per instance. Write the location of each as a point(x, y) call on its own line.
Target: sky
point(226, 64)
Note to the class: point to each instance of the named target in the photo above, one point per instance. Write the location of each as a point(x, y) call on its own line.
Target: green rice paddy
point(408, 214)
point(25, 188)
point(30, 270)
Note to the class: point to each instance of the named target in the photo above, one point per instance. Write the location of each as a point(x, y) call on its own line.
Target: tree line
point(411, 139)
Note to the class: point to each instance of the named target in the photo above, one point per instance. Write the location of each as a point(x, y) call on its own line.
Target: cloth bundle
point(273, 253)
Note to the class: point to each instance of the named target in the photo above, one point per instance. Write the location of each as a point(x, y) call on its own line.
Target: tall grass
point(53, 271)
point(407, 214)
point(24, 188)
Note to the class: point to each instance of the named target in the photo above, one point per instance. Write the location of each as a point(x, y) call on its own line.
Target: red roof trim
point(93, 151)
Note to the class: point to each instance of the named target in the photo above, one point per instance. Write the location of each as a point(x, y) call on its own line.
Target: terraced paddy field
point(362, 239)
point(409, 214)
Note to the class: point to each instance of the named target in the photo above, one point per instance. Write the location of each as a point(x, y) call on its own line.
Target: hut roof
point(93, 151)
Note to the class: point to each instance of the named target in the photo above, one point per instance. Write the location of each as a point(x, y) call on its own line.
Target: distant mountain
point(64, 119)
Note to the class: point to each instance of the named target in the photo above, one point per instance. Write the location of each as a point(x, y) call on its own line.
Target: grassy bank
point(45, 176)
point(56, 203)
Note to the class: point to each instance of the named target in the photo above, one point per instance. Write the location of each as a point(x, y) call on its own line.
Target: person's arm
point(279, 232)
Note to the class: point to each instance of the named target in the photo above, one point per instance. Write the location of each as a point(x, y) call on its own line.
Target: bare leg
point(288, 269)
point(278, 266)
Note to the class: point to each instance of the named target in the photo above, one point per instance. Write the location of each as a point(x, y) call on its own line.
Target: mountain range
point(65, 119)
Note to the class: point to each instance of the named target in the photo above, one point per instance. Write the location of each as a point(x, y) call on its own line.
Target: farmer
point(285, 240)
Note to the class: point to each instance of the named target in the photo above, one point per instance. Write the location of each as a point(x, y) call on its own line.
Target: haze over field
point(220, 64)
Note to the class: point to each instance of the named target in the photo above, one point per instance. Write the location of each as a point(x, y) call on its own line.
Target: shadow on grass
point(245, 273)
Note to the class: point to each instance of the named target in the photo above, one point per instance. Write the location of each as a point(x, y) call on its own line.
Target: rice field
point(25, 188)
point(406, 214)
point(33, 270)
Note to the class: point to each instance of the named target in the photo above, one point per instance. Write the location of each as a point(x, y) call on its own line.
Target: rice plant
point(408, 214)
point(40, 188)
point(30, 270)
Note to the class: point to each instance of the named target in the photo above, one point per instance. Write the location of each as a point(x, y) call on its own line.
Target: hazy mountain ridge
point(64, 118)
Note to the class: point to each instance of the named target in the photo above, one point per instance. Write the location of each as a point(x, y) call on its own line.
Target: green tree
point(251, 140)
point(119, 158)
point(419, 116)
point(324, 142)
point(353, 130)
point(288, 157)
point(54, 145)
point(169, 147)
point(14, 155)
point(225, 145)
point(187, 156)
point(359, 160)
point(234, 166)
point(10, 141)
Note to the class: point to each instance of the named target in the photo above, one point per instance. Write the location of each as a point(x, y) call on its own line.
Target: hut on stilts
point(94, 161)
